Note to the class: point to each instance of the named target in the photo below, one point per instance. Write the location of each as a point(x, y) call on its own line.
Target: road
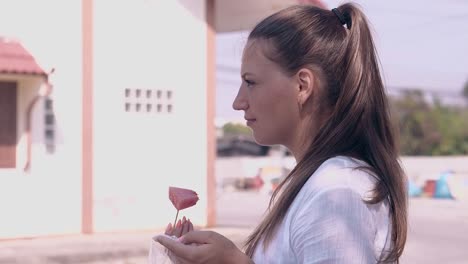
point(438, 229)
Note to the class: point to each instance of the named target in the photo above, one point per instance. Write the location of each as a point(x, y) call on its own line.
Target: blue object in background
point(414, 190)
point(442, 190)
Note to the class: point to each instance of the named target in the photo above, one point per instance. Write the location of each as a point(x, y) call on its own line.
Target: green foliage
point(465, 90)
point(430, 129)
point(236, 129)
point(425, 128)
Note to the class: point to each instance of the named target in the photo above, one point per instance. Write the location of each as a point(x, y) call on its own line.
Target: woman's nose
point(240, 102)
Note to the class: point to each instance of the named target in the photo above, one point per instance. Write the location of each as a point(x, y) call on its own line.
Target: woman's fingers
point(182, 227)
point(178, 230)
point(169, 230)
point(185, 227)
point(190, 225)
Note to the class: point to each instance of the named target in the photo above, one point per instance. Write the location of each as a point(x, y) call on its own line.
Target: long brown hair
point(358, 123)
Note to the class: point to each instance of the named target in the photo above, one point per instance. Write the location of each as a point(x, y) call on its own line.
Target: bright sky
point(421, 44)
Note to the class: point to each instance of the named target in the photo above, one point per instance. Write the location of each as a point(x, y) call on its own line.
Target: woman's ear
point(306, 81)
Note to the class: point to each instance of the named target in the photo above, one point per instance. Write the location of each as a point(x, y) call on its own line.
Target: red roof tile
point(15, 59)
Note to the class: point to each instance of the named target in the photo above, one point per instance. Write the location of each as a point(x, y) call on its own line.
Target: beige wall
point(47, 200)
point(158, 45)
point(420, 169)
point(148, 45)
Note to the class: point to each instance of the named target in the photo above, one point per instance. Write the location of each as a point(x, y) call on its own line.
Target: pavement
point(113, 248)
point(438, 233)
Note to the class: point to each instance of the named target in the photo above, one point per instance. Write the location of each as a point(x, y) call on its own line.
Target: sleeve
point(333, 227)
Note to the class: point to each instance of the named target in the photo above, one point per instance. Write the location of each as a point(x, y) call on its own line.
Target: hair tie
point(344, 19)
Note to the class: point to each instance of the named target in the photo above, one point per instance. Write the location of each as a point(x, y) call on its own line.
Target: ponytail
point(363, 81)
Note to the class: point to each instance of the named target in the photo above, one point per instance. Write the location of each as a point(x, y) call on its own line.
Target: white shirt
point(328, 221)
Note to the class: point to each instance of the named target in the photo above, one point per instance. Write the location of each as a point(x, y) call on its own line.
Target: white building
point(127, 111)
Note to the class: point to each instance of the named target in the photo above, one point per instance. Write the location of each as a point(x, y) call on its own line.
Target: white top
point(328, 222)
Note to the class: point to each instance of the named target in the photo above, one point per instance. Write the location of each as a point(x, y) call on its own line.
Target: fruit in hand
point(182, 199)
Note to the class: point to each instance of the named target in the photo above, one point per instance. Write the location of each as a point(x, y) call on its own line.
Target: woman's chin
point(263, 141)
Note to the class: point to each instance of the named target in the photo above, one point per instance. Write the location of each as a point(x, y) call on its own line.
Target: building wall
point(46, 201)
point(148, 46)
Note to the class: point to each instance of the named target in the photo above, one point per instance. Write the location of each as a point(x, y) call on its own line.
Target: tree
point(236, 129)
point(465, 91)
point(430, 129)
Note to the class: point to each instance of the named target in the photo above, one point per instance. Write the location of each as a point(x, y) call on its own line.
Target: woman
point(311, 82)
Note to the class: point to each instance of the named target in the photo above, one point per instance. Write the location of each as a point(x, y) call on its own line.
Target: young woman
point(311, 82)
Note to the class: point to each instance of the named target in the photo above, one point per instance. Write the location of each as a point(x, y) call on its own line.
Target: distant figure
point(311, 82)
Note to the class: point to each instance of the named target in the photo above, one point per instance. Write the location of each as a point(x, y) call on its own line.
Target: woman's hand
point(181, 228)
point(204, 247)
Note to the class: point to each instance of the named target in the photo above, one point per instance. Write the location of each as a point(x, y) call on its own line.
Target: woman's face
point(268, 97)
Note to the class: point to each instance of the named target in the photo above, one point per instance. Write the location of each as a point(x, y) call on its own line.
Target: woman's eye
point(249, 82)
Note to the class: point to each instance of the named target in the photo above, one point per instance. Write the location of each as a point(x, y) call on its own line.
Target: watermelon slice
point(182, 199)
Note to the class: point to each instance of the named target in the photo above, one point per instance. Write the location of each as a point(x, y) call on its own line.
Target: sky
point(421, 44)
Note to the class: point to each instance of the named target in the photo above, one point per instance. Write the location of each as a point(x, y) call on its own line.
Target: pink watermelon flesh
point(182, 198)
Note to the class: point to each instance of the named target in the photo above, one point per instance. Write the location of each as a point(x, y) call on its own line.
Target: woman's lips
point(250, 121)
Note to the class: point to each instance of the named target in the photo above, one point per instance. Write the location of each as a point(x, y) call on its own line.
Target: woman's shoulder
point(331, 201)
point(341, 172)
